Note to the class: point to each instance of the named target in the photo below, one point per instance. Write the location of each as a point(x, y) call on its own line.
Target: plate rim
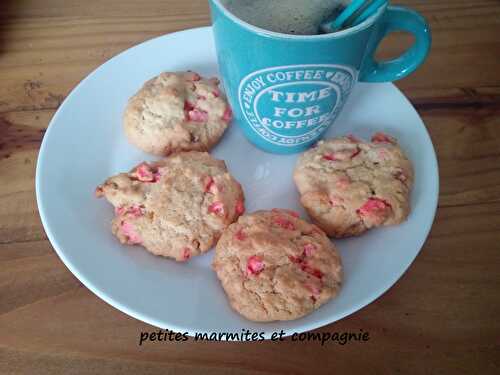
point(389, 284)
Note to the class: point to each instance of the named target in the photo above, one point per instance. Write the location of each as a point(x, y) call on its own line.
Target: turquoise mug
point(286, 90)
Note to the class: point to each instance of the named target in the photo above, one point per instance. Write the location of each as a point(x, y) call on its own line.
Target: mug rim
point(315, 37)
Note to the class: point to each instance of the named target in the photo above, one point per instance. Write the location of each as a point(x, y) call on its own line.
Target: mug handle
point(398, 18)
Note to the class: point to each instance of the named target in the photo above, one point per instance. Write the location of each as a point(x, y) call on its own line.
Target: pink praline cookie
point(177, 207)
point(348, 185)
point(275, 266)
point(177, 111)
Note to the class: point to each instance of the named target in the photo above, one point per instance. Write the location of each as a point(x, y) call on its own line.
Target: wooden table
point(442, 317)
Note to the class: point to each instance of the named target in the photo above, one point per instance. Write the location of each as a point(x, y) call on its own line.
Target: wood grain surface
point(442, 317)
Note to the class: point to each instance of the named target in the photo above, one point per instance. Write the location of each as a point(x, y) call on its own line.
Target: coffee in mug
point(297, 17)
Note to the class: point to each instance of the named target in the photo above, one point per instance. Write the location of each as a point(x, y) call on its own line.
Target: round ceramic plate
point(85, 144)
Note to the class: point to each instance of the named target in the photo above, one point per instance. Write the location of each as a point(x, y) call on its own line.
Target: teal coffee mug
point(286, 90)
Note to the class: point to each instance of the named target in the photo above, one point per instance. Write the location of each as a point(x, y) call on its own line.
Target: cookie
point(177, 112)
point(275, 266)
point(177, 207)
point(349, 186)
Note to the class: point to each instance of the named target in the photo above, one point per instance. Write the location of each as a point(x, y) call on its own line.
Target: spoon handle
point(338, 22)
point(350, 21)
point(370, 10)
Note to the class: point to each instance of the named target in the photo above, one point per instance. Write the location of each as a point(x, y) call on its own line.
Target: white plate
point(85, 144)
